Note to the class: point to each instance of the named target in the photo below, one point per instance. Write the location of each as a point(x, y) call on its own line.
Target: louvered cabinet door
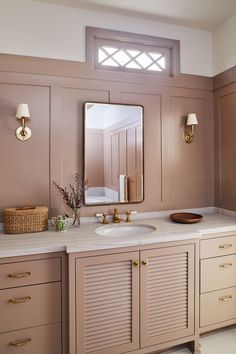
point(107, 304)
point(167, 294)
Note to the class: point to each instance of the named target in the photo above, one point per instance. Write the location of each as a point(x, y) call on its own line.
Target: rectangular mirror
point(113, 160)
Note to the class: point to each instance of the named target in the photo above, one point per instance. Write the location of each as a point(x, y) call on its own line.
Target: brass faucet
point(104, 219)
point(128, 213)
point(128, 218)
point(116, 219)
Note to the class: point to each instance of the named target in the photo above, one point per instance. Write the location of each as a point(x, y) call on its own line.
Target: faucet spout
point(116, 219)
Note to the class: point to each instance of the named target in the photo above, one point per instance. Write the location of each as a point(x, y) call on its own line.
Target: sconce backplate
point(23, 134)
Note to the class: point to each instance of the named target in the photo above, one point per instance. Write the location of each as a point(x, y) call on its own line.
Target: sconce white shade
point(192, 119)
point(22, 111)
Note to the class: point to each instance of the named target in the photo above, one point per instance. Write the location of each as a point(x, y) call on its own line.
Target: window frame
point(98, 37)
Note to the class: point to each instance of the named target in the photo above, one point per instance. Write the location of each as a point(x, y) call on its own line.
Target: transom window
point(122, 51)
point(131, 59)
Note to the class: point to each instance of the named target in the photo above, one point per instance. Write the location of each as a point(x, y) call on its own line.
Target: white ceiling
point(202, 14)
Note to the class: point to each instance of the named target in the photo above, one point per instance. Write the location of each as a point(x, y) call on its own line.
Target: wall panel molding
point(223, 79)
point(57, 114)
point(71, 69)
point(225, 146)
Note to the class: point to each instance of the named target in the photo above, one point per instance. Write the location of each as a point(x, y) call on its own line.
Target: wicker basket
point(25, 220)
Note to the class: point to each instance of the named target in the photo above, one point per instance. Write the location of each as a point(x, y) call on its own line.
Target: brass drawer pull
point(226, 265)
point(20, 300)
point(20, 343)
point(19, 275)
point(225, 246)
point(136, 263)
point(145, 263)
point(225, 298)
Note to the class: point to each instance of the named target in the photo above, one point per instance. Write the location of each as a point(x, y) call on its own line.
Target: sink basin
point(125, 230)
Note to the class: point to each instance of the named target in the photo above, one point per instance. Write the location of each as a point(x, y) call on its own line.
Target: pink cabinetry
point(217, 282)
point(107, 291)
point(137, 302)
point(167, 294)
point(30, 305)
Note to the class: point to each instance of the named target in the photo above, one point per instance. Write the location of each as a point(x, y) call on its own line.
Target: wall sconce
point(23, 133)
point(189, 128)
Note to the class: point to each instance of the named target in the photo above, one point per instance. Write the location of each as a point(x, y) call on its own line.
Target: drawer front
point(218, 273)
point(39, 340)
point(217, 306)
point(30, 306)
point(30, 272)
point(215, 247)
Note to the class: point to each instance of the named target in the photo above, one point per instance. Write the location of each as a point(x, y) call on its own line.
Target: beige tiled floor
point(218, 343)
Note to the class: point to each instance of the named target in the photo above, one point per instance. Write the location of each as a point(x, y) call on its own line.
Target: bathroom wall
point(28, 27)
point(176, 174)
point(224, 46)
point(225, 142)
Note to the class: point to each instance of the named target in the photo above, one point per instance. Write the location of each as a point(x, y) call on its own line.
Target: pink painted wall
point(177, 175)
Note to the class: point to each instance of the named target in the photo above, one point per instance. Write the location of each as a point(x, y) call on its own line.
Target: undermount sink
point(125, 230)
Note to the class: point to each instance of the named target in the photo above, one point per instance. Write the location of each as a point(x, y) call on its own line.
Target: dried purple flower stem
point(74, 197)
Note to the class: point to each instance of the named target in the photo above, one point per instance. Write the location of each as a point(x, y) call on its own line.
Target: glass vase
point(76, 216)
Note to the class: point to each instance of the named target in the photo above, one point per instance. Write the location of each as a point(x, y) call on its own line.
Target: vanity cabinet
point(217, 282)
point(107, 301)
point(134, 302)
point(31, 304)
point(167, 294)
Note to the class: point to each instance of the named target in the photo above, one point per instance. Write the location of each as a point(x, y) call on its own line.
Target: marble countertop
point(85, 238)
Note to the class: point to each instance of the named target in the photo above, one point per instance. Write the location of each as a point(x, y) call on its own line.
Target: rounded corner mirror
point(113, 153)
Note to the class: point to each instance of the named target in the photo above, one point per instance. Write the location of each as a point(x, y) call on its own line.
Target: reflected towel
point(123, 188)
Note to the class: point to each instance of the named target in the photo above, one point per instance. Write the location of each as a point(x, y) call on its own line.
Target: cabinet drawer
point(29, 272)
point(217, 247)
point(40, 340)
point(218, 273)
point(30, 306)
point(217, 306)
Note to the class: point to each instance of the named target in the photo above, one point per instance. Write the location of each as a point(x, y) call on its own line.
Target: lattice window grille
point(131, 59)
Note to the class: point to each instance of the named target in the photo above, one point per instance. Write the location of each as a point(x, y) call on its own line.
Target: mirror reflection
point(113, 161)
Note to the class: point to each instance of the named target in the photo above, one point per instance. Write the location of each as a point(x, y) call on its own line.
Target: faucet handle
point(128, 213)
point(105, 221)
point(128, 218)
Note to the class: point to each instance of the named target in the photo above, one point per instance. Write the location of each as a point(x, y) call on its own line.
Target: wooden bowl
point(185, 218)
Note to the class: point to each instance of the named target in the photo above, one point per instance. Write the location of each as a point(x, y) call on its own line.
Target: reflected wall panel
point(95, 157)
point(131, 163)
point(107, 162)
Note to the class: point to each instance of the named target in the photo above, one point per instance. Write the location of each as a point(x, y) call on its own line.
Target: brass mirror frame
point(84, 151)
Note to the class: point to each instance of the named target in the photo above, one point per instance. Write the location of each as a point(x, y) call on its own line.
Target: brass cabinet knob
point(145, 263)
point(21, 342)
point(136, 263)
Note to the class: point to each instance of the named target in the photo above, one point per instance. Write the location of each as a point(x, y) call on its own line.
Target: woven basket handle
point(26, 208)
